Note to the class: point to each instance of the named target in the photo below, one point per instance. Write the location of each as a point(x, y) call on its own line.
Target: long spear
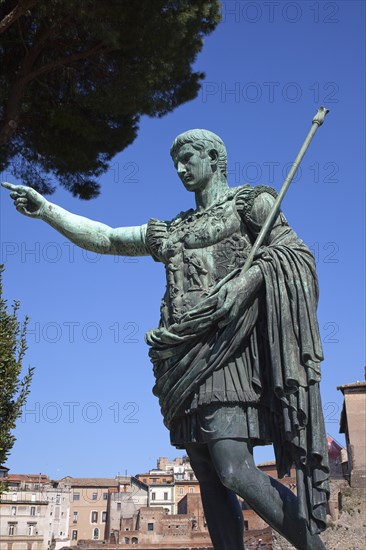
point(316, 122)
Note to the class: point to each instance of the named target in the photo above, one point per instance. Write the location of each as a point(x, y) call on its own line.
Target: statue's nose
point(181, 169)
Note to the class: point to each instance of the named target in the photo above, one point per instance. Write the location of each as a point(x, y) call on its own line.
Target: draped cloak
point(279, 333)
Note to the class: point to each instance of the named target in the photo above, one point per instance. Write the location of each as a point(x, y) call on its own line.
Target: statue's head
point(202, 140)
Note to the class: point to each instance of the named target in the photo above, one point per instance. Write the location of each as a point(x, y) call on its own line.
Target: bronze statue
point(236, 355)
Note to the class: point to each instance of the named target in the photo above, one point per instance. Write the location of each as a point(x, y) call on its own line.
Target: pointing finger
point(16, 188)
point(10, 186)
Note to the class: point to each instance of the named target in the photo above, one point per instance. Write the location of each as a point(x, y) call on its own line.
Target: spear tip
point(320, 116)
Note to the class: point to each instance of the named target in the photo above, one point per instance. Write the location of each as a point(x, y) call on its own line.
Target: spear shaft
point(316, 122)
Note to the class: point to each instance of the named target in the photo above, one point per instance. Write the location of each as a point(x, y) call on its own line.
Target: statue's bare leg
point(273, 501)
point(222, 510)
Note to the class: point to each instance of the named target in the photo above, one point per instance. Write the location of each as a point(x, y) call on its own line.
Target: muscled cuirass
point(199, 249)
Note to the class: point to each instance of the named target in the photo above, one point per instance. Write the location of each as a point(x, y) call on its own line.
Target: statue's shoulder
point(158, 232)
point(180, 217)
point(245, 196)
point(163, 225)
point(250, 191)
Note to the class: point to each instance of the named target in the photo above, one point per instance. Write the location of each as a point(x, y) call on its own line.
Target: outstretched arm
point(88, 234)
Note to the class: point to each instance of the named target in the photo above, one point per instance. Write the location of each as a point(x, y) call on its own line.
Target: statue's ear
point(214, 156)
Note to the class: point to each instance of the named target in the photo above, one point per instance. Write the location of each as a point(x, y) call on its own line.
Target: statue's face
point(193, 167)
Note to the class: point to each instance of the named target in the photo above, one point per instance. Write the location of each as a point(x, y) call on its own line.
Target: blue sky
point(268, 66)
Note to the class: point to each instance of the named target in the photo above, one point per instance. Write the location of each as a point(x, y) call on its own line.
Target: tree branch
point(14, 15)
point(22, 37)
point(10, 123)
point(66, 60)
point(11, 117)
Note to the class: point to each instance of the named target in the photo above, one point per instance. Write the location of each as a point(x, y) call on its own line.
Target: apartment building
point(156, 476)
point(123, 503)
point(163, 463)
point(185, 482)
point(3, 471)
point(88, 507)
point(34, 513)
point(162, 495)
point(353, 425)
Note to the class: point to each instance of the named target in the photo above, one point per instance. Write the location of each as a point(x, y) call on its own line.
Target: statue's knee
point(229, 478)
point(242, 482)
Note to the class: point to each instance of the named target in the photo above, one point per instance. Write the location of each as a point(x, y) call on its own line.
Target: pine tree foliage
point(77, 75)
point(13, 389)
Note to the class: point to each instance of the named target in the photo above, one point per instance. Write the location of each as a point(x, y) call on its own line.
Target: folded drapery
point(287, 334)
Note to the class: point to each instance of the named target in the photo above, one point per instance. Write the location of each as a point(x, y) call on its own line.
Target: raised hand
point(221, 307)
point(224, 304)
point(26, 200)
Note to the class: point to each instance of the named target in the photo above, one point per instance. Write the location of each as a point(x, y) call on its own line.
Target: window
point(165, 496)
point(32, 511)
point(94, 517)
point(13, 510)
point(134, 540)
point(76, 496)
point(150, 527)
point(14, 497)
point(74, 535)
point(94, 496)
point(105, 496)
point(181, 491)
point(58, 499)
point(153, 496)
point(75, 517)
point(246, 526)
point(104, 517)
point(191, 477)
point(96, 533)
point(11, 529)
point(191, 490)
point(118, 505)
point(30, 530)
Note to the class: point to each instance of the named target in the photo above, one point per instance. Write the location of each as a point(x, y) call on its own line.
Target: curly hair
point(202, 140)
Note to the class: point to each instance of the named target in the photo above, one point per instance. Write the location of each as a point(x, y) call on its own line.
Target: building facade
point(162, 495)
point(123, 503)
point(353, 425)
point(34, 513)
point(156, 476)
point(88, 507)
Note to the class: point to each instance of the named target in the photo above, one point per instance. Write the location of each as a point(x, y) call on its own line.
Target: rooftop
point(28, 478)
point(91, 481)
point(269, 463)
point(358, 384)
